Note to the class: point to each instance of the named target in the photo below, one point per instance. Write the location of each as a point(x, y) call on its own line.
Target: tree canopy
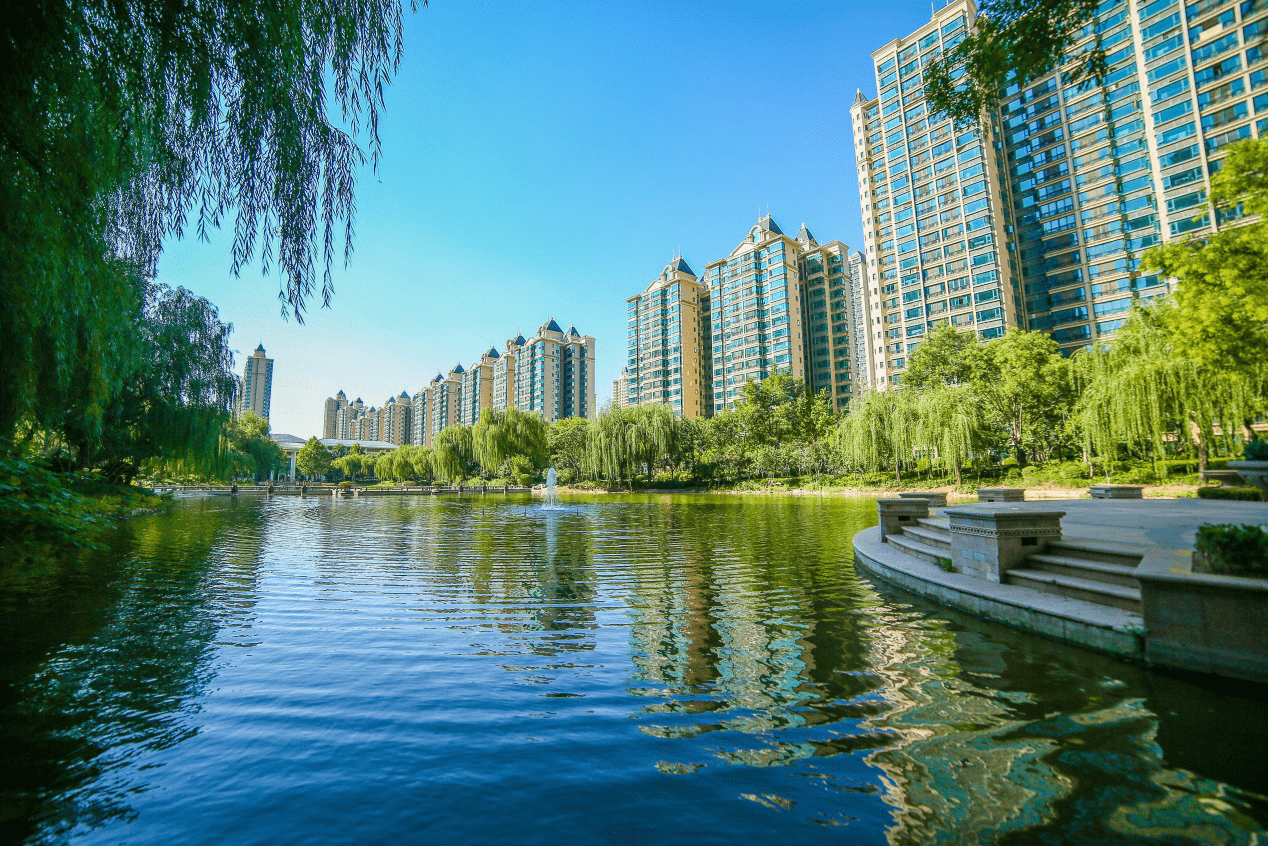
point(1012, 40)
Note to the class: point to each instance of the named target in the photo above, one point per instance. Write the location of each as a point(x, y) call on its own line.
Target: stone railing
point(897, 514)
point(937, 499)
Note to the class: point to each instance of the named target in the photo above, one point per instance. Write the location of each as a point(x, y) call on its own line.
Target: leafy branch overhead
point(1023, 40)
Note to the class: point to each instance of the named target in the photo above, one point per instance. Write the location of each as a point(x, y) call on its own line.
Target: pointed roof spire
point(572, 332)
point(804, 236)
point(519, 340)
point(492, 353)
point(860, 97)
point(552, 326)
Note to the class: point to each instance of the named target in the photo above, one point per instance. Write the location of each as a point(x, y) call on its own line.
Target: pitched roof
point(552, 326)
point(404, 395)
point(519, 340)
point(457, 368)
point(860, 97)
point(493, 353)
point(681, 267)
point(573, 333)
point(768, 223)
point(260, 348)
point(805, 236)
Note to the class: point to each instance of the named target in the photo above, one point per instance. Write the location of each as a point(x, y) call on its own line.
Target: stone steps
point(1082, 568)
point(917, 549)
point(1089, 590)
point(1092, 551)
point(935, 537)
point(940, 523)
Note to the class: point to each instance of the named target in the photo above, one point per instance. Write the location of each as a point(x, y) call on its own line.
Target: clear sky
point(548, 159)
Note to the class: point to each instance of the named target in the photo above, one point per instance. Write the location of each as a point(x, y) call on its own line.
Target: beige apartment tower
point(554, 373)
point(668, 344)
point(257, 383)
point(477, 388)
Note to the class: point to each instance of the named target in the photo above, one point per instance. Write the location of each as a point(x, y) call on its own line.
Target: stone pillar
point(896, 514)
point(937, 499)
point(989, 540)
point(1001, 494)
point(293, 456)
point(1117, 492)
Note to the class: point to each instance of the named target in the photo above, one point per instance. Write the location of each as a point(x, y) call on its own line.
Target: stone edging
point(1110, 630)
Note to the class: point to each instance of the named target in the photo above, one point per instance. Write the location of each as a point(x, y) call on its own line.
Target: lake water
point(638, 669)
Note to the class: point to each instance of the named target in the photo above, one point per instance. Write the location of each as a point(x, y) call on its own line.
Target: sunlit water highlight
point(620, 669)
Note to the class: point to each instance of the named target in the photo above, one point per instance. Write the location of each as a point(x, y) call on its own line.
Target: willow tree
point(500, 435)
point(451, 453)
point(624, 440)
point(126, 122)
point(1143, 388)
point(950, 424)
point(879, 431)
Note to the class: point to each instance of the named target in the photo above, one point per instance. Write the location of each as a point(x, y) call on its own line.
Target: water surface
point(623, 669)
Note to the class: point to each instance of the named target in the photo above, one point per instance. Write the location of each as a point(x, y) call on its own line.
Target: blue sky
point(547, 160)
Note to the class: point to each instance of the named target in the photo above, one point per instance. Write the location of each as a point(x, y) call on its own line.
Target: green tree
point(499, 435)
point(1145, 386)
point(1222, 278)
point(950, 424)
point(170, 409)
point(567, 445)
point(1013, 41)
point(250, 448)
point(880, 431)
point(1022, 380)
point(452, 454)
point(946, 356)
point(125, 123)
point(313, 459)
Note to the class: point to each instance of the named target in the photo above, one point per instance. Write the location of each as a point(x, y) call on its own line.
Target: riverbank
point(41, 509)
point(954, 494)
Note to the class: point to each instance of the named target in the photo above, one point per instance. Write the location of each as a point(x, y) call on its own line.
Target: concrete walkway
point(1160, 523)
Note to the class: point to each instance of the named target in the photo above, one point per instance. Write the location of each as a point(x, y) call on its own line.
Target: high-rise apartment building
point(826, 315)
point(257, 383)
point(775, 305)
point(1073, 183)
point(477, 388)
point(669, 344)
point(621, 389)
point(554, 373)
point(504, 374)
point(446, 398)
point(934, 205)
point(330, 416)
point(421, 404)
point(861, 323)
point(396, 418)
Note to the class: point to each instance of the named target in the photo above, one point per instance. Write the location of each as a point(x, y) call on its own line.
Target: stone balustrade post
point(896, 514)
point(937, 499)
point(989, 540)
point(1001, 494)
point(1116, 492)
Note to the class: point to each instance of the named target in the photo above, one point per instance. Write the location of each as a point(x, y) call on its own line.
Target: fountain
point(552, 499)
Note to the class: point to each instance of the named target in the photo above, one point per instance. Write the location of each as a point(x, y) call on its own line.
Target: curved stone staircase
point(1071, 568)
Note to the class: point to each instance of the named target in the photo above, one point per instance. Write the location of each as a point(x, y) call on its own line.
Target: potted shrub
point(1253, 468)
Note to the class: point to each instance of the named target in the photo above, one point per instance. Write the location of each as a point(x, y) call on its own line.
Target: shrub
point(1233, 550)
point(1257, 450)
point(1242, 494)
point(946, 565)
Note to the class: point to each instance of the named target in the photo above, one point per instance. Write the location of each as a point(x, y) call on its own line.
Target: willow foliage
point(1142, 388)
point(451, 453)
point(501, 434)
point(880, 430)
point(124, 122)
point(950, 425)
point(622, 441)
